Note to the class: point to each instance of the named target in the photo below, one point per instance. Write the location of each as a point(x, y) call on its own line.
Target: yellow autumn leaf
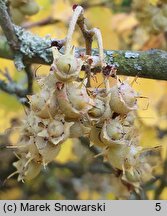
point(163, 195)
point(11, 194)
point(148, 136)
point(86, 194)
point(97, 15)
point(66, 152)
point(123, 22)
point(153, 2)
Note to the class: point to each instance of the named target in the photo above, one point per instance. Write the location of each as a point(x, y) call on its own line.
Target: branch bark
point(150, 64)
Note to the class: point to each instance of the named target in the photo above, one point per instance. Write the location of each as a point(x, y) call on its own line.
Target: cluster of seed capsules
point(152, 16)
point(65, 108)
point(22, 8)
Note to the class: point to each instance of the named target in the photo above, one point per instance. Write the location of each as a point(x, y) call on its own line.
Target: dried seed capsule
point(101, 110)
point(98, 109)
point(95, 138)
point(113, 132)
point(47, 82)
point(73, 100)
point(129, 119)
point(47, 150)
point(118, 155)
point(26, 146)
point(27, 170)
point(55, 130)
point(79, 129)
point(32, 125)
point(67, 67)
point(44, 104)
point(123, 98)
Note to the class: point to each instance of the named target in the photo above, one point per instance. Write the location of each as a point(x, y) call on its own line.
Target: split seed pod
point(113, 132)
point(48, 81)
point(101, 110)
point(26, 146)
point(55, 130)
point(145, 161)
point(73, 100)
point(27, 170)
point(44, 104)
point(67, 67)
point(47, 150)
point(118, 155)
point(95, 136)
point(79, 129)
point(31, 125)
point(123, 98)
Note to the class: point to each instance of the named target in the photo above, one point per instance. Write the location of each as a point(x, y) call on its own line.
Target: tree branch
point(13, 88)
point(10, 33)
point(147, 64)
point(7, 26)
point(79, 169)
point(30, 77)
point(86, 143)
point(47, 21)
point(87, 34)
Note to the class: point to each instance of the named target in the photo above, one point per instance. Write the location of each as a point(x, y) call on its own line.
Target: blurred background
point(125, 24)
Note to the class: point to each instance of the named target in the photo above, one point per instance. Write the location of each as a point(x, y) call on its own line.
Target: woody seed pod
point(123, 98)
point(73, 100)
point(67, 67)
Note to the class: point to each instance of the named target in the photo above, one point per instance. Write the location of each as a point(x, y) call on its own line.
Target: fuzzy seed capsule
point(44, 104)
point(27, 170)
point(73, 100)
point(67, 67)
point(123, 98)
point(79, 129)
point(121, 156)
point(113, 132)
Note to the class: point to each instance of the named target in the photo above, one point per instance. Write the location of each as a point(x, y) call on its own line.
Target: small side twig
point(30, 77)
point(87, 34)
point(86, 143)
point(163, 182)
point(13, 88)
point(46, 21)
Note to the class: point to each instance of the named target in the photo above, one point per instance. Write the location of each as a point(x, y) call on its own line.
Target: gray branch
point(7, 26)
point(13, 89)
point(147, 64)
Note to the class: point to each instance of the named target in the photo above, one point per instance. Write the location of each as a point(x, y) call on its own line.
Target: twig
point(86, 143)
point(46, 21)
point(79, 169)
point(86, 4)
point(13, 89)
point(87, 34)
point(30, 78)
point(163, 182)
